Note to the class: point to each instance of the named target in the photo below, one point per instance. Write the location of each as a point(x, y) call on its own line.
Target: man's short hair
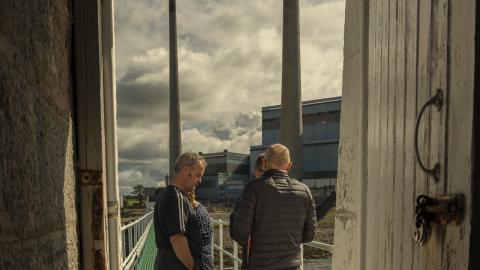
point(260, 162)
point(277, 156)
point(189, 159)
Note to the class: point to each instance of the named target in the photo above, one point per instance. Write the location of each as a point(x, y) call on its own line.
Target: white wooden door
point(398, 53)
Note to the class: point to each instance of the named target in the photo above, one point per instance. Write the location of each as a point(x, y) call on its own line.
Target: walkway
point(149, 251)
point(147, 256)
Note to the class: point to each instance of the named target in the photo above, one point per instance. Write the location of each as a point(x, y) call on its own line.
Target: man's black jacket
point(279, 214)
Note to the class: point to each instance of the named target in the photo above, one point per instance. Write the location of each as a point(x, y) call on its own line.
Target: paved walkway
point(149, 251)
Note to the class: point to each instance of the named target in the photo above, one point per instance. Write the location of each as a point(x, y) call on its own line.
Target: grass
point(328, 221)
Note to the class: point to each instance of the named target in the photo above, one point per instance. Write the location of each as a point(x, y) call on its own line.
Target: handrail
point(136, 221)
point(134, 236)
point(320, 245)
point(228, 253)
point(221, 250)
point(234, 256)
point(219, 221)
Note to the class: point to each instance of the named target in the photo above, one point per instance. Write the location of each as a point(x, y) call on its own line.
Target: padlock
point(440, 210)
point(422, 230)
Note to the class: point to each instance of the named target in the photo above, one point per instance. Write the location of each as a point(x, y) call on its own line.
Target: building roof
point(306, 103)
point(225, 153)
point(258, 147)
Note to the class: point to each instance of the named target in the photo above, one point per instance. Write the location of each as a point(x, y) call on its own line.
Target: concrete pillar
point(175, 132)
point(291, 129)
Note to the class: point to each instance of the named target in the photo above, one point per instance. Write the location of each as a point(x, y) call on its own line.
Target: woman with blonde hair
point(206, 231)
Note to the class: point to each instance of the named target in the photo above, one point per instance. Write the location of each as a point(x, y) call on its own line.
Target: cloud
point(142, 151)
point(196, 141)
point(130, 178)
point(229, 68)
point(250, 120)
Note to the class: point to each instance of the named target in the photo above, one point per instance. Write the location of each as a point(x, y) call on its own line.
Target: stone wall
point(38, 189)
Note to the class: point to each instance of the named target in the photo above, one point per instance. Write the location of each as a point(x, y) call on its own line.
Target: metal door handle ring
point(436, 100)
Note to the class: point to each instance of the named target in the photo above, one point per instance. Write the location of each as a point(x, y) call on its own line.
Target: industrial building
point(224, 177)
point(227, 172)
point(321, 122)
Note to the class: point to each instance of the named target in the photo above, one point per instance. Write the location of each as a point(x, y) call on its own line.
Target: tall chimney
point(291, 129)
point(175, 132)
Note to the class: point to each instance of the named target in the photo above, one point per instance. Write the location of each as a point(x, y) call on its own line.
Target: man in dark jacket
point(277, 212)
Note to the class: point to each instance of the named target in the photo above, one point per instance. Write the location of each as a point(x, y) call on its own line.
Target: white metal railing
point(134, 236)
point(320, 245)
point(221, 251)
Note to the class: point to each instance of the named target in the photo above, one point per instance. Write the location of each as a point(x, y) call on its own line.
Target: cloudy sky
point(229, 68)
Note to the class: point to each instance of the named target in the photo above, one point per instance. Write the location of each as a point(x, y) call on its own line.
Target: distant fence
point(134, 236)
point(234, 255)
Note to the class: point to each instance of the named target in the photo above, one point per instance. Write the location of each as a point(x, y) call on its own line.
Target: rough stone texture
point(38, 190)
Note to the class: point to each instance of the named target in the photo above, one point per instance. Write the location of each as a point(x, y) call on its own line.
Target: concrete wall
point(38, 213)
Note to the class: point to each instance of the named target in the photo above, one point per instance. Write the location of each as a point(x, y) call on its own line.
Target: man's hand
point(181, 249)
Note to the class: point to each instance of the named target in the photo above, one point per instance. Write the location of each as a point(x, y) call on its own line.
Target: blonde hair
point(191, 196)
point(189, 159)
point(277, 156)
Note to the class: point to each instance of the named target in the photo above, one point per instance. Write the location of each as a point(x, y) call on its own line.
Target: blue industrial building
point(224, 177)
point(227, 172)
point(321, 129)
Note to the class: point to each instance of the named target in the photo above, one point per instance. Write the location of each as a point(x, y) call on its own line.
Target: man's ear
point(289, 166)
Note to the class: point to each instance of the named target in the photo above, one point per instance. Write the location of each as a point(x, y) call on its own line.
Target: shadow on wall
point(38, 188)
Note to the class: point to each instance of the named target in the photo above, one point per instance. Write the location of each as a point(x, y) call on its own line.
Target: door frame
point(475, 237)
point(350, 228)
